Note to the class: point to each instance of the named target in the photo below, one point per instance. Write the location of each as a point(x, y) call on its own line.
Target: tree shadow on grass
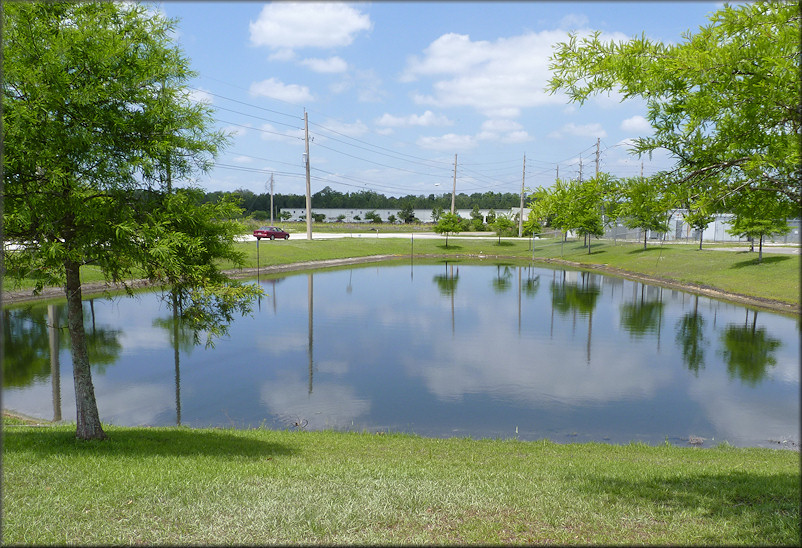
point(504, 244)
point(650, 249)
point(766, 260)
point(449, 247)
point(759, 502)
point(144, 442)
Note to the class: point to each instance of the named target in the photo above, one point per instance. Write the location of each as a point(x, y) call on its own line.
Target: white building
point(357, 215)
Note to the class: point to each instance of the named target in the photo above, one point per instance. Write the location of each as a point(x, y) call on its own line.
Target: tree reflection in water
point(691, 338)
point(748, 351)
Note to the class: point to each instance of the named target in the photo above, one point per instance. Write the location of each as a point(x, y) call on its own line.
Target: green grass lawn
point(211, 486)
point(776, 278)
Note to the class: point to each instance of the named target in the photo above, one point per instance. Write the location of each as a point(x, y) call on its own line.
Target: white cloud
point(332, 65)
point(574, 130)
point(351, 130)
point(574, 21)
point(235, 131)
point(200, 96)
point(282, 54)
point(367, 84)
point(270, 133)
point(427, 119)
point(448, 142)
point(274, 89)
point(636, 124)
point(504, 130)
point(498, 78)
point(291, 25)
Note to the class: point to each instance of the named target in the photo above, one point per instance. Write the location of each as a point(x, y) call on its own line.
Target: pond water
point(444, 349)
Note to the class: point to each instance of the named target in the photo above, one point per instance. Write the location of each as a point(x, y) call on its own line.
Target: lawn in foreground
point(212, 486)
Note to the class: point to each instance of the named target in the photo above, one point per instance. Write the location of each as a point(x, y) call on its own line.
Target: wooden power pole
point(521, 216)
point(454, 190)
point(308, 181)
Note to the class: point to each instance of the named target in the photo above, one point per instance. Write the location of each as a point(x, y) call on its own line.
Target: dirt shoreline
point(95, 288)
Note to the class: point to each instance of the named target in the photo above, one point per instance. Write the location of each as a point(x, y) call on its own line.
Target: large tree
point(644, 206)
point(758, 215)
point(724, 101)
point(98, 126)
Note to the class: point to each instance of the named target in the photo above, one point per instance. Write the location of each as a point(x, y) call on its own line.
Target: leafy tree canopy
point(724, 101)
point(98, 124)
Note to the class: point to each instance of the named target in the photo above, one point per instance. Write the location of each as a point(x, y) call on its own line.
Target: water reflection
point(691, 338)
point(748, 351)
point(644, 314)
point(364, 348)
point(182, 339)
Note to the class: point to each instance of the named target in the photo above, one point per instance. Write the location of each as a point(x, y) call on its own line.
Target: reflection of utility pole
point(453, 331)
point(519, 299)
point(176, 358)
point(55, 370)
point(659, 318)
point(590, 331)
point(310, 292)
point(308, 181)
point(553, 283)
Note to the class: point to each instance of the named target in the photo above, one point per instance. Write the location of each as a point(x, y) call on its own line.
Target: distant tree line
point(367, 199)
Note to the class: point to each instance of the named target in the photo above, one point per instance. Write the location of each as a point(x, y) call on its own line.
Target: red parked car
point(271, 232)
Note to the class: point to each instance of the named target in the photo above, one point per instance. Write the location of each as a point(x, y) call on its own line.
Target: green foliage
point(758, 214)
point(449, 223)
point(645, 206)
point(724, 102)
point(98, 126)
point(407, 215)
point(502, 226)
point(373, 217)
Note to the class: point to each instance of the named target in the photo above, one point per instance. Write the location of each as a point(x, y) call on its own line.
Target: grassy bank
point(182, 486)
point(776, 278)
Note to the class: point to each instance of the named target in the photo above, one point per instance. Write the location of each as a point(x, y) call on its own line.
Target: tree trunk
point(760, 250)
point(87, 417)
point(701, 235)
point(645, 232)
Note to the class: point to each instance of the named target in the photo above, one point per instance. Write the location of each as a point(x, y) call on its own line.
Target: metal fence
point(716, 231)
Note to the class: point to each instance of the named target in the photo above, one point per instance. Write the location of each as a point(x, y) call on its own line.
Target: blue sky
point(394, 90)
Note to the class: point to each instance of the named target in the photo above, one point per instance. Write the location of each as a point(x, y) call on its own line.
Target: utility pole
point(271, 199)
point(521, 216)
point(308, 181)
point(598, 140)
point(454, 191)
point(580, 169)
point(641, 169)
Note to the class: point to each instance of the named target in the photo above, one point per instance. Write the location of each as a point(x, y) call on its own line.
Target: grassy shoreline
point(212, 486)
point(730, 275)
